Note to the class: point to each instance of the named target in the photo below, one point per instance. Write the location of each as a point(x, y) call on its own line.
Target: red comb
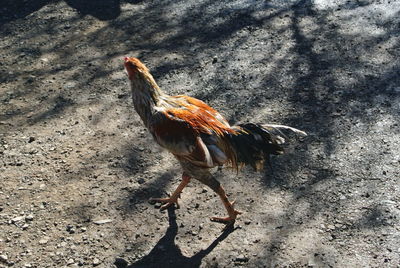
point(126, 58)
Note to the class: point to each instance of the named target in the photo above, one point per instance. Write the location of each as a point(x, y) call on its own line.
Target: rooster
point(200, 137)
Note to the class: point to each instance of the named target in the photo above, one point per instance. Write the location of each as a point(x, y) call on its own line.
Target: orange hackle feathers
point(199, 119)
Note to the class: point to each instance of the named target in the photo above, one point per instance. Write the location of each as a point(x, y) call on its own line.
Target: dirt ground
point(77, 167)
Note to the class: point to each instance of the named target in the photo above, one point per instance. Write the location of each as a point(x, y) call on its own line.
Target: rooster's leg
point(232, 213)
point(173, 199)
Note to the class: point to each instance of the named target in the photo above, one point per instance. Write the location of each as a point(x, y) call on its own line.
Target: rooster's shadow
point(167, 254)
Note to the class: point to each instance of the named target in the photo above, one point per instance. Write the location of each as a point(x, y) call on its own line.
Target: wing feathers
point(192, 130)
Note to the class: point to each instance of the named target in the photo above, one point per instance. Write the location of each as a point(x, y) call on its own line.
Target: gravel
point(77, 167)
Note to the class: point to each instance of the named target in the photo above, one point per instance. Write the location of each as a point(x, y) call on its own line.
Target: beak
point(126, 62)
point(129, 68)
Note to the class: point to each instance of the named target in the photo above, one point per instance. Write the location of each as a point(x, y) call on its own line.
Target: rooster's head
point(135, 67)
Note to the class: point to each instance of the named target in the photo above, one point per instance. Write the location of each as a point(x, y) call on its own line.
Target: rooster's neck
point(146, 95)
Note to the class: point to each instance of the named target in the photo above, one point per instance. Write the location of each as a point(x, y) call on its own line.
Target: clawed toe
point(228, 221)
point(224, 220)
point(168, 202)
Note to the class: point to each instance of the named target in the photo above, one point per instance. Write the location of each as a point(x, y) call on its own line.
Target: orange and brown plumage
point(200, 137)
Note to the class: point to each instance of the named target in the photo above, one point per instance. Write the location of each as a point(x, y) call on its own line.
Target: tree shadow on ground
point(15, 9)
point(168, 254)
point(310, 94)
point(103, 10)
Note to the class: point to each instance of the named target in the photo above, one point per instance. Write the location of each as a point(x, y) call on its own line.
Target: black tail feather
point(254, 143)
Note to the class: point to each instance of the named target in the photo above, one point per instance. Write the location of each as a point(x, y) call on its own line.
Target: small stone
point(70, 229)
point(103, 221)
point(3, 258)
point(69, 85)
point(194, 233)
point(70, 261)
point(17, 219)
point(43, 241)
point(96, 261)
point(242, 258)
point(29, 217)
point(31, 139)
point(141, 181)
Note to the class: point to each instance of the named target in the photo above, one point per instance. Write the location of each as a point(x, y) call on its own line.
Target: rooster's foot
point(228, 221)
point(168, 202)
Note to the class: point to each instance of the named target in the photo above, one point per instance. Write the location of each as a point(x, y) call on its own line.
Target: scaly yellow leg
point(229, 206)
point(173, 199)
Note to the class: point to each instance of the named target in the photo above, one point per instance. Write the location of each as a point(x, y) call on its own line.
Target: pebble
point(242, 258)
point(3, 258)
point(103, 221)
point(43, 241)
point(69, 85)
point(17, 219)
point(96, 261)
point(70, 229)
